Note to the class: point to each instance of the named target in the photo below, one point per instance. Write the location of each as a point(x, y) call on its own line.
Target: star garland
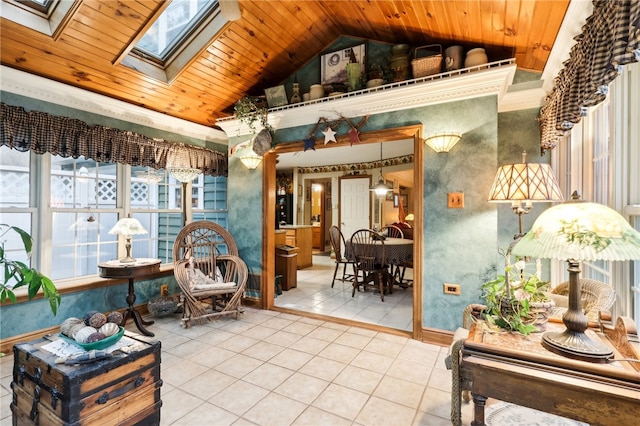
point(330, 134)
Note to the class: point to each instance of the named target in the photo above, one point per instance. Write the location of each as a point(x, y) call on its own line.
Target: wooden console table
point(517, 369)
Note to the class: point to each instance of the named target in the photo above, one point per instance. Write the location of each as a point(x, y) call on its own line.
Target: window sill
point(88, 283)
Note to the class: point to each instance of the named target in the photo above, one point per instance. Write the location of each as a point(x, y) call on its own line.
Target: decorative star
point(329, 135)
point(309, 143)
point(353, 135)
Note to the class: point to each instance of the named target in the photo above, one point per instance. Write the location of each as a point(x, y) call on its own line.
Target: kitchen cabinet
point(318, 244)
point(300, 236)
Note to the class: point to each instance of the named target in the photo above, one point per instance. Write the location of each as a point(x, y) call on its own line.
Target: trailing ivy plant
point(250, 111)
point(17, 274)
point(514, 313)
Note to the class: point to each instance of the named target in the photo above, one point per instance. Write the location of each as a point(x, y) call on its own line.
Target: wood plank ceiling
point(269, 43)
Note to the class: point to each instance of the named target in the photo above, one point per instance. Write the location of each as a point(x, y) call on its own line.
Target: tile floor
point(271, 368)
point(314, 294)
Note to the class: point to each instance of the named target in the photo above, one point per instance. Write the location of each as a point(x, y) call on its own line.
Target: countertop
point(295, 226)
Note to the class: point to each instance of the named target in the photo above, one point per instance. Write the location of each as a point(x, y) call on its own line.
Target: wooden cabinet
point(301, 237)
point(317, 238)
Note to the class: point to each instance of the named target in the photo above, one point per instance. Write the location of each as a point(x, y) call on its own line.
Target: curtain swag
point(610, 39)
point(67, 137)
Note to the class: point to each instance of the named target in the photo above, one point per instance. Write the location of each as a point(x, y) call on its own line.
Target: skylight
point(179, 33)
point(45, 16)
point(172, 27)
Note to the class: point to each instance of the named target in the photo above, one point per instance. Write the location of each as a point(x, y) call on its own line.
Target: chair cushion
point(215, 286)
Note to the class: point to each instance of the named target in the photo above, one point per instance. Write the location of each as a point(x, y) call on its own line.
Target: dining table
point(397, 252)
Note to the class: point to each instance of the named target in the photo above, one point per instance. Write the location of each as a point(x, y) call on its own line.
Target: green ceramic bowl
point(100, 344)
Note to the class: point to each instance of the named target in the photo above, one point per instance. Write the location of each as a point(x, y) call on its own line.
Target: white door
point(355, 207)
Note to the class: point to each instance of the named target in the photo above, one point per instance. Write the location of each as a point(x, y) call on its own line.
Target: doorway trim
point(269, 199)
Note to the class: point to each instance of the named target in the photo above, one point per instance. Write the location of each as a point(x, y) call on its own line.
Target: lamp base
point(127, 259)
point(576, 345)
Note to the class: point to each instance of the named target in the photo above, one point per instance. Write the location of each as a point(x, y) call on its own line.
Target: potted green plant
point(17, 274)
point(517, 300)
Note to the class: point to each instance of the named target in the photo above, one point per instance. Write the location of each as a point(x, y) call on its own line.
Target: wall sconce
point(522, 185)
point(442, 142)
point(251, 160)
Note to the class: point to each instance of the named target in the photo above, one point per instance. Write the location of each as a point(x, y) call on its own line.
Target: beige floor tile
point(238, 343)
point(358, 378)
point(258, 332)
point(338, 352)
point(239, 397)
point(176, 404)
point(268, 376)
point(207, 414)
point(410, 371)
point(380, 412)
point(424, 419)
point(215, 336)
point(181, 372)
point(283, 338)
point(300, 328)
point(302, 388)
point(238, 366)
point(209, 357)
point(207, 384)
point(354, 340)
point(277, 322)
point(322, 368)
point(310, 345)
point(275, 410)
point(436, 403)
point(362, 331)
point(291, 359)
point(313, 416)
point(384, 347)
point(312, 321)
point(325, 333)
point(400, 391)
point(373, 362)
point(341, 401)
point(440, 379)
point(263, 351)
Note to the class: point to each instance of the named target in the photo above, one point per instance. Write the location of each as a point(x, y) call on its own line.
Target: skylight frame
point(50, 22)
point(196, 41)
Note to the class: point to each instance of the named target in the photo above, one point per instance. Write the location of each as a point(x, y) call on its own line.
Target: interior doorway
point(381, 136)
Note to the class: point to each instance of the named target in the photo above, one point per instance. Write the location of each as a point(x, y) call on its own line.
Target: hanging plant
point(251, 111)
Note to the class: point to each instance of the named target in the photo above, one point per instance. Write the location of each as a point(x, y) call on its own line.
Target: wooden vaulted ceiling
point(269, 43)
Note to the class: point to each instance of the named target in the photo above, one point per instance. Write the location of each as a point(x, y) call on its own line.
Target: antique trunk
point(121, 390)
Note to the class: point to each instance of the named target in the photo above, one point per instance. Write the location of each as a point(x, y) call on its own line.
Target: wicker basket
point(427, 65)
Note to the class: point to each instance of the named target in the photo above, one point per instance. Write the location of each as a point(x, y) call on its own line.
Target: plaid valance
point(67, 137)
point(610, 39)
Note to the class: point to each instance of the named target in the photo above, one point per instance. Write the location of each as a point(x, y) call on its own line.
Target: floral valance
point(610, 39)
point(67, 137)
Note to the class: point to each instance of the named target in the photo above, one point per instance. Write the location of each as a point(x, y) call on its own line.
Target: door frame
point(269, 198)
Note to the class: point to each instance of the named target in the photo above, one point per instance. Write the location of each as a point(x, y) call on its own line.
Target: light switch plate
point(455, 200)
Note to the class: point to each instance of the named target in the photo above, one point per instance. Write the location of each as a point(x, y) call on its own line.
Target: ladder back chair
point(337, 243)
point(368, 253)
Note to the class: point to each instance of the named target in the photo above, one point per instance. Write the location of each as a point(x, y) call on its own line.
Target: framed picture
point(308, 193)
point(329, 188)
point(327, 204)
point(333, 65)
point(404, 200)
point(396, 200)
point(276, 96)
point(299, 190)
point(389, 196)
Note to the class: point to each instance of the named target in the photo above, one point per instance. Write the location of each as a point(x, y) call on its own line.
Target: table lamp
point(128, 226)
point(523, 184)
point(578, 231)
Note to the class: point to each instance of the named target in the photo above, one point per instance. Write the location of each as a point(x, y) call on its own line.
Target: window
point(599, 159)
point(86, 200)
point(183, 30)
point(45, 16)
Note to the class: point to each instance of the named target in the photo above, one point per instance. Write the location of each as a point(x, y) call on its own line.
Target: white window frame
point(51, 24)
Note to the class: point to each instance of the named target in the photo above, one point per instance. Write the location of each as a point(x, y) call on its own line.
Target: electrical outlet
point(452, 289)
point(164, 290)
point(455, 200)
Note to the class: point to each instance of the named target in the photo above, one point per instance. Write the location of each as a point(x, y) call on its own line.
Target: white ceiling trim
point(392, 97)
point(36, 87)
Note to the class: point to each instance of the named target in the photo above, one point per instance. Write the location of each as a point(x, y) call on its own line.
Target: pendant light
point(381, 188)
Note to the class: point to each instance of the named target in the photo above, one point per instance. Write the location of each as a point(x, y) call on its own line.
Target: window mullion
point(42, 256)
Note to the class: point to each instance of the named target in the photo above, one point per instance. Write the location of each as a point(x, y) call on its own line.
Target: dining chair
point(369, 256)
point(337, 242)
point(392, 231)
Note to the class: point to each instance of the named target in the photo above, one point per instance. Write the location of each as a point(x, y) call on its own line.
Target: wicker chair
point(596, 296)
point(337, 243)
point(364, 254)
point(212, 251)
